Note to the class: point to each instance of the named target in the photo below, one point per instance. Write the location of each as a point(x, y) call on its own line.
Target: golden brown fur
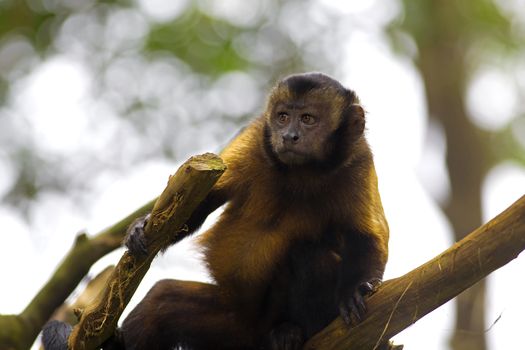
point(261, 240)
point(301, 234)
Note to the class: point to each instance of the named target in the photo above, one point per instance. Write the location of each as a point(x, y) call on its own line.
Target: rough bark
point(68, 312)
point(20, 331)
point(185, 190)
point(402, 301)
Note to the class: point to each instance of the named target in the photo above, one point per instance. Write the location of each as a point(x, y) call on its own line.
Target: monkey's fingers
point(135, 239)
point(353, 307)
point(353, 310)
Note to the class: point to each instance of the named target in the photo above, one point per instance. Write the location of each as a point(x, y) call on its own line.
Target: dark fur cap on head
point(301, 84)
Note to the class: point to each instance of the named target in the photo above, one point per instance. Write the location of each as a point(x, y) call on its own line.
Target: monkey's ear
point(357, 118)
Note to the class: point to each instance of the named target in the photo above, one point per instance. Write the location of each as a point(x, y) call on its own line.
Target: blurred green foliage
point(475, 20)
point(205, 43)
point(475, 35)
point(18, 17)
point(169, 85)
point(164, 83)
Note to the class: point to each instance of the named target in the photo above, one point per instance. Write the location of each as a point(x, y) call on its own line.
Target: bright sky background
point(55, 96)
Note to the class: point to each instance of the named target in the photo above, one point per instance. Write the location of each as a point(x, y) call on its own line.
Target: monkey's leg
point(187, 314)
point(286, 336)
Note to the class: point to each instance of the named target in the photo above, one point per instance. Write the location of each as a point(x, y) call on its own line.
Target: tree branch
point(402, 301)
point(396, 305)
point(185, 190)
point(68, 312)
point(20, 331)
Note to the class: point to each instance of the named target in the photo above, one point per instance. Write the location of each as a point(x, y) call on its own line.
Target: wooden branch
point(402, 301)
point(20, 331)
point(185, 190)
point(68, 312)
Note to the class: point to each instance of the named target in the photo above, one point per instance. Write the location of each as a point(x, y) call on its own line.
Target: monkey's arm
point(135, 239)
point(365, 248)
point(361, 273)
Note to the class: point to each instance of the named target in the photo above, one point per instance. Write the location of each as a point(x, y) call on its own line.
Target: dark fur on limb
point(402, 301)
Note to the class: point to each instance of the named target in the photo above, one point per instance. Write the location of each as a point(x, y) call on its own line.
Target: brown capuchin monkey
point(303, 237)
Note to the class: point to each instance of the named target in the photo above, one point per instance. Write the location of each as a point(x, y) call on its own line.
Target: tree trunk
point(443, 68)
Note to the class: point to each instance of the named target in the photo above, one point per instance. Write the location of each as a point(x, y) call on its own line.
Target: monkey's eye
point(282, 117)
point(307, 119)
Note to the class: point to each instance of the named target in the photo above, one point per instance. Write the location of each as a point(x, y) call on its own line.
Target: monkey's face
point(312, 120)
point(300, 130)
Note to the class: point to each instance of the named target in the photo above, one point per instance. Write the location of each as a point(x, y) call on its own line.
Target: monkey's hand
point(352, 306)
point(135, 240)
point(287, 336)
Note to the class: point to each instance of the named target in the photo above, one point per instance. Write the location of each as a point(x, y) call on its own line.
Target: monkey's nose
point(290, 137)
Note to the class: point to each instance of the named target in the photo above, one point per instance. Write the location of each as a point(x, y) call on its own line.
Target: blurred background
point(101, 100)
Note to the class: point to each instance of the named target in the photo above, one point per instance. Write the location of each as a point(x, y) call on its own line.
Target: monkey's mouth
point(291, 150)
point(292, 156)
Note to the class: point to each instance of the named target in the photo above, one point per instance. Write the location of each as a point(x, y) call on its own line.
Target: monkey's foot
point(352, 306)
point(135, 240)
point(286, 337)
point(55, 335)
